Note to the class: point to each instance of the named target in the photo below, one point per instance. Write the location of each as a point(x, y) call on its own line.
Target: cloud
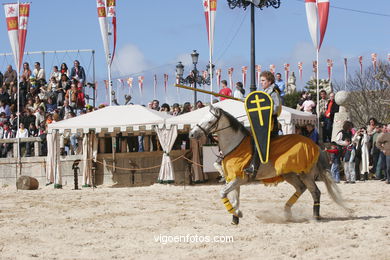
point(129, 60)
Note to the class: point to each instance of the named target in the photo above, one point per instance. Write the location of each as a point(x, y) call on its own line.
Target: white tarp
point(90, 147)
point(131, 118)
point(53, 166)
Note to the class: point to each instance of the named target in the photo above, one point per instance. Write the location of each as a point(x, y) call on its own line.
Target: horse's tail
point(325, 176)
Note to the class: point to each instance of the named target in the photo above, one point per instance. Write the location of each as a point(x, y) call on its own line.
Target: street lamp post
point(193, 77)
point(259, 4)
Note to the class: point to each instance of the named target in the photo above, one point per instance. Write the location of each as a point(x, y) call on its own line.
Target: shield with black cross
point(259, 109)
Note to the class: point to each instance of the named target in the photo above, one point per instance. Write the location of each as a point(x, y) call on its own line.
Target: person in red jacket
point(225, 90)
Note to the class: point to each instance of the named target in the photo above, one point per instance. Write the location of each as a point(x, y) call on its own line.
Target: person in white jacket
point(361, 140)
point(23, 133)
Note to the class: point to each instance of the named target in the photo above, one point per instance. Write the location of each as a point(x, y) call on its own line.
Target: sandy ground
point(124, 223)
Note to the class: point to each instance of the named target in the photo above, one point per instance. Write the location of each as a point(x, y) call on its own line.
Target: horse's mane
point(234, 123)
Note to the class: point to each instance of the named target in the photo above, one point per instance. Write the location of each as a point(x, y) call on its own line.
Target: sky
point(154, 35)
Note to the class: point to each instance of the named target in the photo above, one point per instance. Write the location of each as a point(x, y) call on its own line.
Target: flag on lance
point(219, 75)
point(165, 82)
point(210, 10)
point(330, 68)
point(300, 69)
point(286, 71)
point(244, 70)
point(17, 28)
point(258, 72)
point(374, 59)
point(230, 75)
point(361, 64)
point(141, 84)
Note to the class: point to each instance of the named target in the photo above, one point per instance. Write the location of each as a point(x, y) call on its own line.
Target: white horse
point(233, 141)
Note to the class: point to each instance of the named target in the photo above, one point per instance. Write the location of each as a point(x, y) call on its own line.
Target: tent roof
point(236, 108)
point(129, 118)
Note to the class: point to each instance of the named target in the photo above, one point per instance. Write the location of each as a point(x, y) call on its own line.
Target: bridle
point(215, 124)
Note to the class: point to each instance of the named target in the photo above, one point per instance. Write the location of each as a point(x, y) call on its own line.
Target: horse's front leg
point(233, 187)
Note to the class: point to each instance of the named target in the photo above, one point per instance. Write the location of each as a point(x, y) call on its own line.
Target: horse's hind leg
point(309, 181)
point(300, 188)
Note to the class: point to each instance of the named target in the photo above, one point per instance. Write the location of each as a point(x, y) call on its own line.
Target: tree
point(311, 86)
point(369, 94)
point(291, 100)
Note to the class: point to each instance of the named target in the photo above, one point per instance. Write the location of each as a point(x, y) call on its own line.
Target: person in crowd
point(4, 96)
point(361, 140)
point(312, 133)
point(383, 143)
point(239, 92)
point(302, 99)
point(199, 104)
point(64, 70)
point(225, 90)
point(39, 74)
point(344, 134)
point(13, 96)
point(1, 79)
point(4, 108)
point(165, 108)
point(26, 74)
point(281, 85)
point(40, 116)
point(38, 103)
point(13, 123)
point(371, 127)
point(28, 117)
point(186, 108)
point(71, 96)
point(78, 73)
point(308, 105)
point(10, 77)
point(55, 73)
point(7, 134)
point(349, 162)
point(335, 161)
point(155, 105)
point(23, 133)
point(50, 106)
point(322, 109)
point(376, 152)
point(176, 109)
point(65, 110)
point(331, 109)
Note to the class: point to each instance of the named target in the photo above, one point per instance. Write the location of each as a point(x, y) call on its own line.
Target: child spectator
point(349, 162)
point(335, 160)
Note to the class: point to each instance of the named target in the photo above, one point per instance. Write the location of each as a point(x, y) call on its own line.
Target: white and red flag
point(165, 82)
point(230, 75)
point(315, 67)
point(272, 68)
point(210, 10)
point(330, 68)
point(205, 74)
point(107, 9)
point(244, 70)
point(121, 82)
point(317, 12)
point(300, 69)
point(374, 57)
point(361, 64)
point(141, 84)
point(286, 71)
point(219, 75)
point(17, 28)
point(130, 82)
point(258, 72)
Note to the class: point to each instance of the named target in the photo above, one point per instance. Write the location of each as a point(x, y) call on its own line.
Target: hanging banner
point(315, 67)
point(121, 82)
point(330, 68)
point(141, 84)
point(210, 8)
point(312, 20)
point(24, 13)
point(230, 74)
point(219, 75)
point(300, 69)
point(244, 70)
point(272, 68)
point(130, 82)
point(165, 82)
point(154, 86)
point(374, 59)
point(361, 64)
point(102, 14)
point(323, 14)
point(345, 72)
point(258, 72)
point(286, 71)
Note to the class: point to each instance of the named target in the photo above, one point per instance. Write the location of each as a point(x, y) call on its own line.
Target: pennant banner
point(102, 7)
point(244, 70)
point(312, 20)
point(286, 71)
point(330, 68)
point(258, 72)
point(374, 59)
point(361, 64)
point(154, 85)
point(323, 14)
point(165, 82)
point(230, 74)
point(272, 68)
point(141, 84)
point(219, 75)
point(210, 9)
point(300, 69)
point(111, 12)
point(315, 67)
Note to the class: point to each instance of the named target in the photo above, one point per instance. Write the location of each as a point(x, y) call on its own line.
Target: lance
point(207, 92)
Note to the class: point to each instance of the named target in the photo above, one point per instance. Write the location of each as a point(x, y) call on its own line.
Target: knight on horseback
point(267, 80)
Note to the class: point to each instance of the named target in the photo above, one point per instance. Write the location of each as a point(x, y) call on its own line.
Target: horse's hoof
point(317, 218)
point(288, 214)
point(239, 213)
point(235, 220)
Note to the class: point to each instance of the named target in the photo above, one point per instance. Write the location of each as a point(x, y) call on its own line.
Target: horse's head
point(208, 123)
